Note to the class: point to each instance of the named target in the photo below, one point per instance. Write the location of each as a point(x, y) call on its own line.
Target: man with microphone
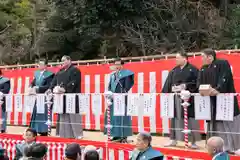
point(121, 81)
point(40, 84)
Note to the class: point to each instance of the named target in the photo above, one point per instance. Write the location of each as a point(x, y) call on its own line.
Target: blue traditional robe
point(221, 156)
point(20, 149)
point(42, 79)
point(4, 88)
point(149, 154)
point(120, 82)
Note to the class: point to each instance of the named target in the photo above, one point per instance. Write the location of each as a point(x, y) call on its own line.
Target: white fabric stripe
point(111, 154)
point(175, 158)
point(24, 113)
point(106, 82)
point(53, 151)
point(19, 87)
point(152, 89)
point(87, 90)
point(11, 91)
point(48, 153)
point(97, 90)
point(205, 127)
point(130, 154)
point(231, 69)
point(120, 154)
point(101, 153)
point(130, 91)
point(59, 152)
point(165, 121)
point(140, 90)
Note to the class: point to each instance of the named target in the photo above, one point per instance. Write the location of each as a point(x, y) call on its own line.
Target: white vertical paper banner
point(202, 107)
point(18, 102)
point(71, 103)
point(118, 104)
point(133, 104)
point(58, 103)
point(225, 105)
point(96, 102)
point(149, 102)
point(9, 104)
point(29, 102)
point(167, 105)
point(84, 103)
point(41, 103)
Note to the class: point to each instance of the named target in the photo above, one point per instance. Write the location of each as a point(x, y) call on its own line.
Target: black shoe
point(116, 139)
point(3, 131)
point(124, 140)
point(43, 134)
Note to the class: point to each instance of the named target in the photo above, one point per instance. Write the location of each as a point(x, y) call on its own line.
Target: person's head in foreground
point(208, 56)
point(143, 148)
point(143, 141)
point(30, 135)
point(89, 148)
point(73, 152)
point(215, 145)
point(42, 64)
point(181, 59)
point(36, 151)
point(91, 155)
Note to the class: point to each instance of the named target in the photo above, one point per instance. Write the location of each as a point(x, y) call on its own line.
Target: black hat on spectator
point(72, 151)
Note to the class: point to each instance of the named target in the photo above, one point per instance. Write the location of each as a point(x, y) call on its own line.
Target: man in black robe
point(182, 77)
point(217, 73)
point(68, 80)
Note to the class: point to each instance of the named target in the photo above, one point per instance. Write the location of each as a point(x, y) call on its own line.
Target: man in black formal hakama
point(182, 77)
point(67, 80)
point(217, 73)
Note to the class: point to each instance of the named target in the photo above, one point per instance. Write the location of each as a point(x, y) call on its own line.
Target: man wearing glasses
point(68, 80)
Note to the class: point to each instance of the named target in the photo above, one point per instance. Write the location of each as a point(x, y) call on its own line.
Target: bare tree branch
point(6, 28)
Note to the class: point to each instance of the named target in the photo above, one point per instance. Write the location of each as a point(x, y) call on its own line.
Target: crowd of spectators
point(30, 150)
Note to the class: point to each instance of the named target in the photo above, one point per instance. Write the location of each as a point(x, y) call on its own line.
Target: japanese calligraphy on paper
point(167, 105)
point(202, 107)
point(84, 103)
point(149, 104)
point(71, 103)
point(96, 103)
point(133, 104)
point(119, 104)
point(225, 104)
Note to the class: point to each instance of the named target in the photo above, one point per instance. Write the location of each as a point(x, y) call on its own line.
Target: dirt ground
point(157, 141)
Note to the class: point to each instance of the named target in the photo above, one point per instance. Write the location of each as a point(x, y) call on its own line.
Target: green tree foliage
point(88, 29)
point(91, 29)
point(231, 34)
point(15, 34)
